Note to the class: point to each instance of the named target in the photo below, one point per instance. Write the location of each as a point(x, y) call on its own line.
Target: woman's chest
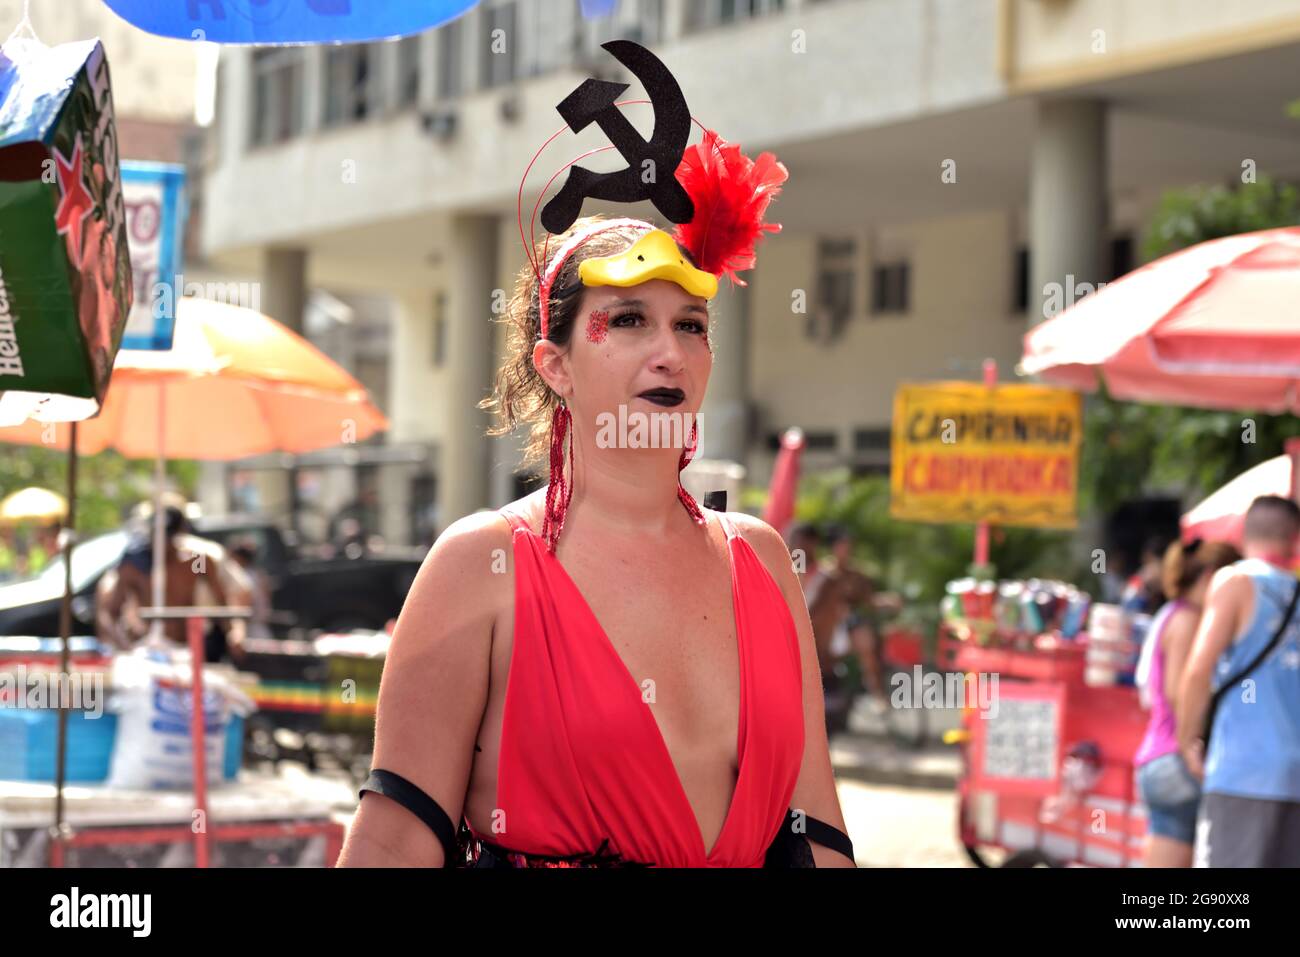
point(618, 647)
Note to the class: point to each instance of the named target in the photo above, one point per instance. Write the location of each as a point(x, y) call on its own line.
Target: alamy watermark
point(645, 430)
point(932, 690)
point(163, 295)
point(40, 689)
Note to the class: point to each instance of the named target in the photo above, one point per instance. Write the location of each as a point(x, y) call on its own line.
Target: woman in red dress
point(642, 689)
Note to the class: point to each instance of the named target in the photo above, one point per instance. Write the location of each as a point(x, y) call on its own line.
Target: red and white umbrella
point(1216, 325)
point(1222, 516)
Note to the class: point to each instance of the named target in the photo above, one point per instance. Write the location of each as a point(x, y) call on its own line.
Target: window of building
point(1121, 256)
point(711, 13)
point(812, 441)
point(450, 82)
point(439, 330)
point(641, 21)
point(891, 288)
point(408, 70)
point(348, 76)
point(877, 439)
point(650, 21)
point(1121, 263)
point(1020, 292)
point(500, 45)
point(277, 94)
point(834, 297)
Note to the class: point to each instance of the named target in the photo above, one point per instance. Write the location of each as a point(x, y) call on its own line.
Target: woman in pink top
point(1168, 789)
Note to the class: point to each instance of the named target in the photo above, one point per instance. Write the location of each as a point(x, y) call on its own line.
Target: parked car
point(338, 593)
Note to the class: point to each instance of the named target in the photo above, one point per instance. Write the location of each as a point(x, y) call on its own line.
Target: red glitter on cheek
point(598, 326)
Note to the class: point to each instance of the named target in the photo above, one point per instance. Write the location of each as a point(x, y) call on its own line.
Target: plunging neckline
point(654, 723)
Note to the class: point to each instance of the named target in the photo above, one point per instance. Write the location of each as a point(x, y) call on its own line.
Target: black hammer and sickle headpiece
point(595, 102)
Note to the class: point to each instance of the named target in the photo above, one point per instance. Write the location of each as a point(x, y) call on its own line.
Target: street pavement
point(901, 826)
point(899, 803)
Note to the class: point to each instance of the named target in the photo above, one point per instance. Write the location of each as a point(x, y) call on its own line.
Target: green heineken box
point(65, 269)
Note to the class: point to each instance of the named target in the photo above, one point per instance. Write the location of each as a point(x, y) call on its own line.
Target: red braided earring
point(559, 490)
point(688, 452)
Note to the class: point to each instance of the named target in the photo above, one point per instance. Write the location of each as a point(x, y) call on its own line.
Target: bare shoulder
point(434, 689)
point(463, 560)
point(1229, 583)
point(768, 544)
point(194, 545)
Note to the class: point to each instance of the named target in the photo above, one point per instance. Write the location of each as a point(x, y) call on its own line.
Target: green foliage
point(1130, 449)
point(1189, 216)
point(918, 560)
point(107, 484)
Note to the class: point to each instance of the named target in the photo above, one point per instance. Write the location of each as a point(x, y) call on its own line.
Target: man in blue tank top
point(1250, 811)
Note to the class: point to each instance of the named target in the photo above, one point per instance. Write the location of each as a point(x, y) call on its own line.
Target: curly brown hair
point(520, 395)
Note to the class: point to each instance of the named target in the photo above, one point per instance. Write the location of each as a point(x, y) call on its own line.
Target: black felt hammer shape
point(593, 102)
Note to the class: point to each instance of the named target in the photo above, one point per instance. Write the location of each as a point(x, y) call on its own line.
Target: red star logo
point(75, 203)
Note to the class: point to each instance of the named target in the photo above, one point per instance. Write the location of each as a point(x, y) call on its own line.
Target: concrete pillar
point(313, 89)
point(428, 69)
point(211, 494)
point(471, 279)
point(235, 103)
point(724, 418)
point(417, 404)
point(674, 25)
point(284, 285)
point(1068, 201)
point(395, 504)
point(385, 78)
point(284, 299)
point(473, 48)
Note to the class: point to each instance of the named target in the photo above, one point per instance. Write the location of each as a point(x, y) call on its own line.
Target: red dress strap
point(516, 521)
point(726, 525)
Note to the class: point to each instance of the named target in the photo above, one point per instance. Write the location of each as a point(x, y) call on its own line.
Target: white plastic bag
point(153, 701)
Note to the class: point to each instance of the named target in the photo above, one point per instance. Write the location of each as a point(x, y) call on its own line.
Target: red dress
point(583, 766)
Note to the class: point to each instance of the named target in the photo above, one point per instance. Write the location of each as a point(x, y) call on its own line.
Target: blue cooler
point(29, 740)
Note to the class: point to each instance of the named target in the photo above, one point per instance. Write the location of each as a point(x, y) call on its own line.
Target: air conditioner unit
point(511, 106)
point(440, 124)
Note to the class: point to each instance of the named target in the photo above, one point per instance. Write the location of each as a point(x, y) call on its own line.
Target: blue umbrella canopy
point(287, 21)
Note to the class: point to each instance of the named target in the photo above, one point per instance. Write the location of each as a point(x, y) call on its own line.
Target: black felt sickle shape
point(593, 102)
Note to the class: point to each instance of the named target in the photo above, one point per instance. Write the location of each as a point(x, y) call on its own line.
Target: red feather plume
point(731, 193)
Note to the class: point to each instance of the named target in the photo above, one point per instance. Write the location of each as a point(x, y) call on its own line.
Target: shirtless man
point(193, 565)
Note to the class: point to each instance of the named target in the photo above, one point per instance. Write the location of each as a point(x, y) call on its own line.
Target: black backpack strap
point(1254, 662)
point(397, 788)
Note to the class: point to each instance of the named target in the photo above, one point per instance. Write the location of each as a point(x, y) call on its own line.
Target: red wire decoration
point(559, 491)
point(731, 194)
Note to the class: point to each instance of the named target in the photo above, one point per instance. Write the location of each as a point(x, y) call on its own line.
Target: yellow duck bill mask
point(655, 255)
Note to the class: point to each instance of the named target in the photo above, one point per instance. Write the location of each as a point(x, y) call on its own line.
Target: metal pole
point(65, 631)
point(1292, 448)
point(982, 529)
point(159, 571)
point(194, 632)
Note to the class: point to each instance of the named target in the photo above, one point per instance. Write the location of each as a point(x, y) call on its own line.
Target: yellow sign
point(963, 452)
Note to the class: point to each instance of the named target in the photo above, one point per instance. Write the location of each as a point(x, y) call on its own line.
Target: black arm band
point(828, 836)
point(397, 788)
